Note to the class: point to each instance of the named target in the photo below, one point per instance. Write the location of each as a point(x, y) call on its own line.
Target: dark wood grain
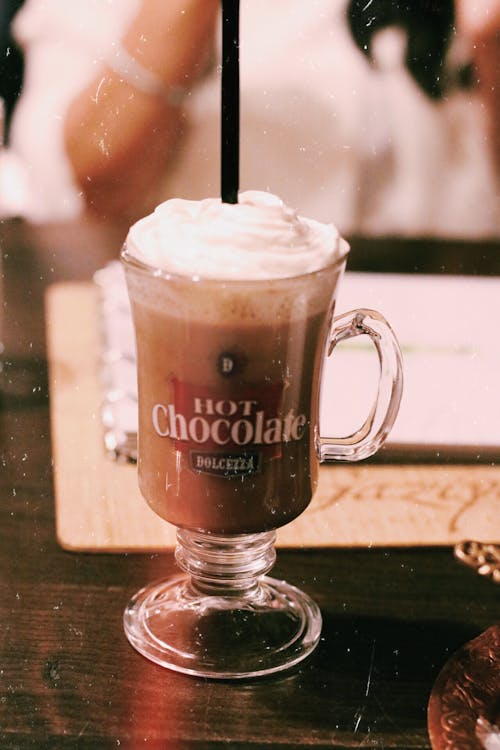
point(69, 679)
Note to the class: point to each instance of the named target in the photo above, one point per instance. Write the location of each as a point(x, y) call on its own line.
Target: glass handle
point(368, 439)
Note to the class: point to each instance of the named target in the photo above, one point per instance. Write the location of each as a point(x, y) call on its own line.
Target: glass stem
point(225, 566)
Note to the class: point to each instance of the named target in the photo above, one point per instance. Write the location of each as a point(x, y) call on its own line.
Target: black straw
point(230, 109)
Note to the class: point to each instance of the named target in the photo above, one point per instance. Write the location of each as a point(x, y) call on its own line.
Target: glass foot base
point(248, 634)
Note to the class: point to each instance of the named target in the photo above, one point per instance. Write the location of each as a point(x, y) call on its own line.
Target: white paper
point(448, 329)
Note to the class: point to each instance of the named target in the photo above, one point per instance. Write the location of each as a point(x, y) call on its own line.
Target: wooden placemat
point(99, 507)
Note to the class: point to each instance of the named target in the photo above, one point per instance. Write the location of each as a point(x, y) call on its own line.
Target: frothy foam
point(257, 238)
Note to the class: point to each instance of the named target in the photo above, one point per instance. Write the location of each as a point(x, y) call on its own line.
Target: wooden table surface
point(68, 677)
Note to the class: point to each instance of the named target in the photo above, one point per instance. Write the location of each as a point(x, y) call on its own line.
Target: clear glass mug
point(229, 447)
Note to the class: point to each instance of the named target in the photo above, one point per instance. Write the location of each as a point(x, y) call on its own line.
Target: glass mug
point(229, 447)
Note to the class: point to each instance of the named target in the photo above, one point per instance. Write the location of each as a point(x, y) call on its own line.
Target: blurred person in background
point(11, 74)
point(379, 115)
point(11, 62)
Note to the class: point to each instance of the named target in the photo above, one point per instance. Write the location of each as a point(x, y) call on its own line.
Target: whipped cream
point(257, 238)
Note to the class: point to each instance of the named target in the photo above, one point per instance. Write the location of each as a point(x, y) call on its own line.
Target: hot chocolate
point(227, 399)
point(228, 369)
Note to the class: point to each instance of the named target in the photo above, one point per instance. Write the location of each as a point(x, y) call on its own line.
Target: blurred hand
point(120, 139)
point(479, 23)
